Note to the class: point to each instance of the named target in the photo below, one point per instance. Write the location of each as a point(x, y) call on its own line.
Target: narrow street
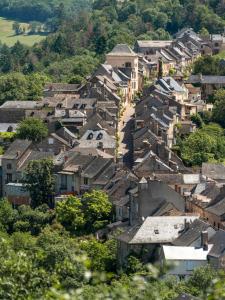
point(125, 136)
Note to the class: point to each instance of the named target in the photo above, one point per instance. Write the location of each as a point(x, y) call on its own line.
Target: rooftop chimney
point(143, 184)
point(204, 240)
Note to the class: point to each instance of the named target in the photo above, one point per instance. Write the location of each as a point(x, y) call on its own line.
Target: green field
point(7, 34)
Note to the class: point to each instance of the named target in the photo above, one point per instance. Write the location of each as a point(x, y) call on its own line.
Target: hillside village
point(118, 133)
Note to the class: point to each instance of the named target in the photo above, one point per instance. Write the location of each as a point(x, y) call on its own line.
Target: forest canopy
point(39, 10)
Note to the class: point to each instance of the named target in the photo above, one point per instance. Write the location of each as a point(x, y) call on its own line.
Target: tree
point(39, 181)
point(218, 114)
point(76, 79)
point(16, 27)
point(204, 145)
point(69, 213)
point(13, 86)
point(7, 215)
point(97, 209)
point(204, 33)
point(198, 148)
point(32, 129)
point(36, 83)
point(102, 255)
point(33, 220)
point(197, 120)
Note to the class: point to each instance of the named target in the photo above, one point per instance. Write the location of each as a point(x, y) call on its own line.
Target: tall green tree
point(39, 181)
point(97, 209)
point(32, 129)
point(69, 213)
point(218, 114)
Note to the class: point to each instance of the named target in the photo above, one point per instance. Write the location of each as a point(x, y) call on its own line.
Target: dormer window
point(90, 136)
point(128, 65)
point(100, 136)
point(50, 141)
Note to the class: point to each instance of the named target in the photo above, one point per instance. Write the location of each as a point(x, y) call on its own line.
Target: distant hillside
point(38, 10)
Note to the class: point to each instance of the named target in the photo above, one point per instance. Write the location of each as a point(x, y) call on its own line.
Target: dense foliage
point(39, 181)
point(16, 86)
point(85, 215)
point(218, 114)
point(209, 65)
point(39, 10)
point(98, 30)
point(32, 129)
point(206, 144)
point(41, 260)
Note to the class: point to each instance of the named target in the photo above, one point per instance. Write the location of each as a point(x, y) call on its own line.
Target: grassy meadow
point(8, 37)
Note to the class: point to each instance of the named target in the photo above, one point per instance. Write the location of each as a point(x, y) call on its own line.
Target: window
point(86, 181)
point(50, 141)
point(134, 85)
point(156, 231)
point(133, 75)
point(189, 265)
point(128, 64)
point(8, 178)
point(63, 182)
point(9, 166)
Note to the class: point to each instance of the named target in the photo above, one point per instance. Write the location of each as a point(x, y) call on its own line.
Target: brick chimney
point(204, 240)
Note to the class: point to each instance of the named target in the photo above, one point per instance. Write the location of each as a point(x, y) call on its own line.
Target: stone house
point(208, 83)
point(144, 239)
point(121, 79)
point(150, 47)
point(14, 162)
point(149, 196)
point(216, 256)
point(184, 259)
point(98, 139)
point(122, 56)
point(80, 170)
point(53, 89)
point(169, 85)
point(207, 199)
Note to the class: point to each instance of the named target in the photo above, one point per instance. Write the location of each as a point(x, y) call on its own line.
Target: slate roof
point(192, 233)
point(21, 104)
point(169, 84)
point(107, 140)
point(62, 87)
point(168, 209)
point(154, 44)
point(163, 229)
point(110, 71)
point(95, 122)
point(78, 160)
point(35, 155)
point(106, 175)
point(214, 171)
point(95, 167)
point(218, 241)
point(17, 147)
point(155, 195)
point(179, 178)
point(122, 49)
point(207, 79)
point(186, 297)
point(217, 209)
point(4, 127)
point(92, 152)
